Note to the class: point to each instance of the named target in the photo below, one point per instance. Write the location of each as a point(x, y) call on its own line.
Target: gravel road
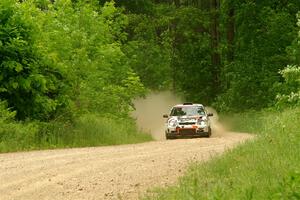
point(115, 172)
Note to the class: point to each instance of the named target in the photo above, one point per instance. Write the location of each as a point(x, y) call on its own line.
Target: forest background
point(70, 69)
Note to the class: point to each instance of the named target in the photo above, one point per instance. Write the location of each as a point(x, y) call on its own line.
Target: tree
point(215, 40)
point(29, 83)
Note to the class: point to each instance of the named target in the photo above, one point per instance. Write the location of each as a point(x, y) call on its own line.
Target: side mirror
point(165, 116)
point(210, 114)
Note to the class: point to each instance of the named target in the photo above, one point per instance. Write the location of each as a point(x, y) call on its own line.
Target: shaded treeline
point(224, 52)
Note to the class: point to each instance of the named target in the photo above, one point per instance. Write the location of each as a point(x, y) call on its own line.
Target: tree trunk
point(215, 40)
point(230, 35)
point(177, 3)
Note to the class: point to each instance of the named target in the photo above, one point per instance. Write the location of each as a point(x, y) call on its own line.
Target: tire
point(209, 132)
point(169, 137)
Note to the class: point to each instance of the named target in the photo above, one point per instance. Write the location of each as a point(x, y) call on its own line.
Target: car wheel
point(169, 137)
point(209, 132)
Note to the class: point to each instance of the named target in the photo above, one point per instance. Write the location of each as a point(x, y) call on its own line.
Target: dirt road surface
point(116, 172)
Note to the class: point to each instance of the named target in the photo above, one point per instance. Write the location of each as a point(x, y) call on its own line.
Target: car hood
point(186, 118)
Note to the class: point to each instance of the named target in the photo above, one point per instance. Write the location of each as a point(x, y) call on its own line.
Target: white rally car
point(188, 119)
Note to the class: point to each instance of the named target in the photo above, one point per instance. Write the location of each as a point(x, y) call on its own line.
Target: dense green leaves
point(62, 61)
point(149, 50)
point(262, 36)
point(68, 57)
point(80, 56)
point(222, 52)
point(289, 90)
point(28, 82)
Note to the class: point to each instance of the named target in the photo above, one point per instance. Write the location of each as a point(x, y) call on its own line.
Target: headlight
point(173, 122)
point(202, 121)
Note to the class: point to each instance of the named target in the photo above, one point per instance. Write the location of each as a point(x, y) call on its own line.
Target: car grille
point(187, 131)
point(187, 123)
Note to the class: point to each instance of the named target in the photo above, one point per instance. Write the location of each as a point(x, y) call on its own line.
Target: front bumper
point(187, 130)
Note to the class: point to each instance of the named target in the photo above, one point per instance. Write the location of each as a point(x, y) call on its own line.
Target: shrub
point(290, 88)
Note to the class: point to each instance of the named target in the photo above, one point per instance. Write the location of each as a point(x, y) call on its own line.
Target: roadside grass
point(87, 131)
point(267, 167)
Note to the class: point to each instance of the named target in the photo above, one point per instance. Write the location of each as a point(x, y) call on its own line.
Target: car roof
point(187, 105)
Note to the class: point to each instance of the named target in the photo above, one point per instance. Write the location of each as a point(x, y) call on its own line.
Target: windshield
point(187, 110)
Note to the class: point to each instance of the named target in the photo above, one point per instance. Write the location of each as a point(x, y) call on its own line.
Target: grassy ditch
point(87, 131)
point(266, 168)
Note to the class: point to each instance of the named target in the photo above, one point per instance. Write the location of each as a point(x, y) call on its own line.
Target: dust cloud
point(149, 114)
point(218, 129)
point(150, 110)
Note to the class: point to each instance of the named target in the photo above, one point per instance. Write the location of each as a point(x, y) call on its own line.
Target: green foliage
point(171, 46)
point(64, 59)
point(289, 187)
point(263, 32)
point(291, 74)
point(28, 82)
point(290, 89)
point(91, 130)
point(6, 115)
point(265, 168)
point(192, 67)
point(136, 6)
point(88, 130)
point(15, 136)
point(63, 65)
point(69, 57)
point(148, 48)
point(87, 43)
